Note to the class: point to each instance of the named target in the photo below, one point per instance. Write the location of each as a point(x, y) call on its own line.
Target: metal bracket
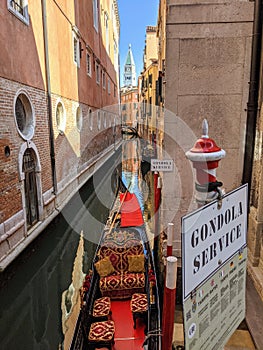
point(220, 198)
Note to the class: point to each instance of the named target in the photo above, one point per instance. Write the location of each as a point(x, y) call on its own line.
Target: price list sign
point(214, 256)
point(216, 308)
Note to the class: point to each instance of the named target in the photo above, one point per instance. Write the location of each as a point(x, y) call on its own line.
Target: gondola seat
point(101, 335)
point(102, 309)
point(139, 307)
point(126, 272)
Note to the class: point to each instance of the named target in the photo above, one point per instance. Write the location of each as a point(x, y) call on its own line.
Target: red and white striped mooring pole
point(205, 156)
point(170, 238)
point(169, 303)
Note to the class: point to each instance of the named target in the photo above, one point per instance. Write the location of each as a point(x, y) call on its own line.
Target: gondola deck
point(120, 246)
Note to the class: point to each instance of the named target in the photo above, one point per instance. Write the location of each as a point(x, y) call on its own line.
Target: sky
point(135, 16)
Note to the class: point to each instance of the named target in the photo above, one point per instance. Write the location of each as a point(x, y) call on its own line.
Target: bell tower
point(129, 76)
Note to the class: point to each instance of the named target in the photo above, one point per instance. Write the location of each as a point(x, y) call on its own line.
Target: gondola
point(120, 299)
point(129, 130)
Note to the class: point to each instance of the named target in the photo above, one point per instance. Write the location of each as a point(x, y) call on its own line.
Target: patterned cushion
point(139, 303)
point(119, 255)
point(101, 331)
point(126, 281)
point(104, 267)
point(136, 263)
point(101, 307)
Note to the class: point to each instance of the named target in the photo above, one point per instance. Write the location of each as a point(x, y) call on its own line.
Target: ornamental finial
point(205, 129)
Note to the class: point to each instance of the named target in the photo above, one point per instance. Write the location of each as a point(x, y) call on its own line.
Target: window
point(109, 86)
point(115, 91)
point(95, 15)
point(90, 119)
point(60, 117)
point(24, 116)
point(99, 120)
point(104, 120)
point(79, 119)
point(76, 50)
point(97, 68)
point(20, 9)
point(88, 63)
point(104, 80)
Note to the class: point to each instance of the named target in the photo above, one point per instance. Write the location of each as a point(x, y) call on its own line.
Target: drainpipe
point(51, 133)
point(252, 105)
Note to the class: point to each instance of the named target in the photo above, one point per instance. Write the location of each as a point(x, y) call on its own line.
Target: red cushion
point(101, 307)
point(126, 281)
point(101, 331)
point(139, 302)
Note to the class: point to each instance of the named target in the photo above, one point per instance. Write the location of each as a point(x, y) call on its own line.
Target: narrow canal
point(39, 291)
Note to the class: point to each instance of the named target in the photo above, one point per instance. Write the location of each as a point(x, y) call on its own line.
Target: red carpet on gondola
point(131, 214)
point(126, 338)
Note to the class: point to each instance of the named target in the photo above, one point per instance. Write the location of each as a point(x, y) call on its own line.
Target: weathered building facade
point(147, 86)
point(129, 106)
point(59, 97)
point(204, 56)
point(253, 155)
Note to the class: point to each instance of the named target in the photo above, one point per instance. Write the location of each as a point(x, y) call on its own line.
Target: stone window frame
point(21, 176)
point(104, 120)
point(19, 8)
point(109, 86)
point(88, 63)
point(61, 124)
point(95, 15)
point(29, 110)
point(97, 71)
point(103, 79)
point(98, 119)
point(76, 46)
point(90, 119)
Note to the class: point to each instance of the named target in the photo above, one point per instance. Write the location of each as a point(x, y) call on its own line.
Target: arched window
point(105, 120)
point(30, 187)
point(90, 119)
point(79, 119)
point(60, 117)
point(99, 120)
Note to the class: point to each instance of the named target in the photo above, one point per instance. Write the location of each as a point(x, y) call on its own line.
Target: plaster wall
point(78, 148)
point(208, 49)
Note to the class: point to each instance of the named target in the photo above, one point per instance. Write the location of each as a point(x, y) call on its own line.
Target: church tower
point(129, 76)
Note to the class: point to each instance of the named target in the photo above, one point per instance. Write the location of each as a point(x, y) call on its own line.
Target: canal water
point(39, 291)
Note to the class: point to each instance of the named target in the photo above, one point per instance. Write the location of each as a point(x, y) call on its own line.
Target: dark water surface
point(37, 290)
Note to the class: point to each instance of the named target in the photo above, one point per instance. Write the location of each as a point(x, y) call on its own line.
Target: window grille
point(88, 61)
point(20, 9)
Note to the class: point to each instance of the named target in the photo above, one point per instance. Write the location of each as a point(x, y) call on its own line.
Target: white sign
point(215, 310)
point(211, 235)
point(161, 165)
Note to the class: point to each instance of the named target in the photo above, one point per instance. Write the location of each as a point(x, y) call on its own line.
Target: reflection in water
point(34, 289)
point(39, 295)
point(70, 303)
point(131, 174)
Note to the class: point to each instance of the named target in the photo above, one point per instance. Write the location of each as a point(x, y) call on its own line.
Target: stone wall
point(208, 49)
